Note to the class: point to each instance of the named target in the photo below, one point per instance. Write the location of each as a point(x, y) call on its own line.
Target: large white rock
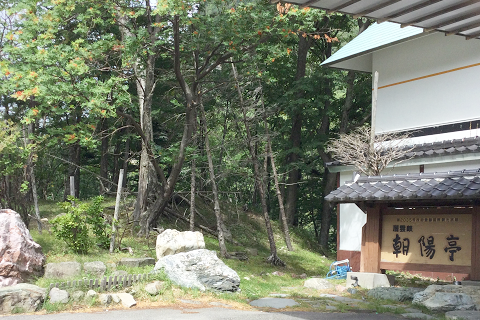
point(200, 269)
point(21, 257)
point(173, 241)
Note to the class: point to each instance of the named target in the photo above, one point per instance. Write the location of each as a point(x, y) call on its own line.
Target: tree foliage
point(117, 84)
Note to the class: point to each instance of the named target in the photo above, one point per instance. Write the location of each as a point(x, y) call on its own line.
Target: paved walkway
point(202, 314)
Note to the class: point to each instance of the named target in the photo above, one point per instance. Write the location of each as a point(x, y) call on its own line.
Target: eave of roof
point(448, 186)
point(376, 37)
point(460, 17)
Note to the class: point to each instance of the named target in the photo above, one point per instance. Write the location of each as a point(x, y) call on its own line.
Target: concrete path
point(202, 314)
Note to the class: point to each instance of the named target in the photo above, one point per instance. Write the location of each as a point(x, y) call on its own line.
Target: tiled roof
point(438, 149)
point(423, 186)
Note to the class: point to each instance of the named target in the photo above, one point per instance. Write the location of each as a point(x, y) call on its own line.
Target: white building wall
point(439, 98)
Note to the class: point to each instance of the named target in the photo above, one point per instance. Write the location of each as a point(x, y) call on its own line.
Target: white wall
point(441, 99)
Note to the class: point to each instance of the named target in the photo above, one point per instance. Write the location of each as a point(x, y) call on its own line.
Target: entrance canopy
point(458, 17)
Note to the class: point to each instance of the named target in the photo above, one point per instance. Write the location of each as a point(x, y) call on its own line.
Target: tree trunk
point(283, 217)
point(145, 85)
point(329, 184)
point(218, 213)
point(296, 135)
point(192, 197)
point(273, 258)
point(30, 165)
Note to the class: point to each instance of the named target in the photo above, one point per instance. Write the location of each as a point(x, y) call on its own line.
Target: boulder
point(119, 273)
point(318, 284)
point(115, 298)
point(136, 262)
point(394, 293)
point(78, 295)
point(200, 269)
point(173, 241)
point(91, 294)
point(23, 297)
point(95, 268)
point(127, 299)
point(448, 297)
point(445, 301)
point(154, 288)
point(105, 298)
point(21, 257)
point(62, 270)
point(58, 296)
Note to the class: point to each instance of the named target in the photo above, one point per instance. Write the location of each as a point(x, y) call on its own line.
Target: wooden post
point(371, 239)
point(475, 271)
point(374, 111)
point(117, 207)
point(72, 186)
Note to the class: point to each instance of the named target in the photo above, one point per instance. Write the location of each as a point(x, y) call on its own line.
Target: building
point(424, 214)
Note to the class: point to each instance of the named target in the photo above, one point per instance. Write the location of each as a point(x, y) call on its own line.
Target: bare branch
point(354, 149)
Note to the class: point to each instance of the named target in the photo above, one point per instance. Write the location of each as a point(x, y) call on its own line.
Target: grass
point(258, 278)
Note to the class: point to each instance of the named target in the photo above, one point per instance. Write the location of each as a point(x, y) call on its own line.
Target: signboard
point(444, 239)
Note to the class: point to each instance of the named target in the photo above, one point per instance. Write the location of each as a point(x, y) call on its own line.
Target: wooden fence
point(104, 284)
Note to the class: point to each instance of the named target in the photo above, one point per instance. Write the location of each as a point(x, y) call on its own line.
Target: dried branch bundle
point(354, 149)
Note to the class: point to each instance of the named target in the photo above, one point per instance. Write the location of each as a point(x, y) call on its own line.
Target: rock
point(111, 265)
point(119, 273)
point(352, 290)
point(340, 288)
point(154, 288)
point(105, 298)
point(462, 315)
point(277, 303)
point(78, 295)
point(115, 298)
point(137, 262)
point(449, 297)
point(24, 297)
point(173, 241)
point(58, 296)
point(21, 257)
point(127, 299)
point(394, 293)
point(318, 284)
point(445, 301)
point(91, 294)
point(63, 270)
point(200, 269)
point(95, 268)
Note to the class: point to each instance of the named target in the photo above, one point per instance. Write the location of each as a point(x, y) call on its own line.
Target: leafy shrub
point(74, 226)
point(100, 227)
